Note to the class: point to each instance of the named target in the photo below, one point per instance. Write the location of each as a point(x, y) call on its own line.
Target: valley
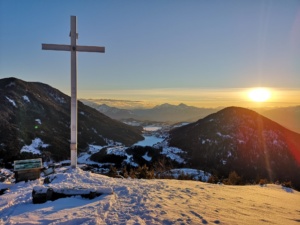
point(35, 124)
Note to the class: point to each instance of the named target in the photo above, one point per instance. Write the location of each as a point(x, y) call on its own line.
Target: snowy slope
point(151, 202)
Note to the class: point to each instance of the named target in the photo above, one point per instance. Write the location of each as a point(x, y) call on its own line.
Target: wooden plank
point(56, 47)
point(82, 48)
point(27, 164)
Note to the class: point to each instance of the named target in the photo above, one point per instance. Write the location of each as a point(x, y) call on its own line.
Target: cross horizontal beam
point(78, 48)
point(56, 47)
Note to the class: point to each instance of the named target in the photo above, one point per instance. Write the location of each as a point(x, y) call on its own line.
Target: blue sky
point(155, 46)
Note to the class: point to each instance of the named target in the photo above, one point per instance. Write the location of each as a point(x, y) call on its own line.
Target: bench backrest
point(27, 164)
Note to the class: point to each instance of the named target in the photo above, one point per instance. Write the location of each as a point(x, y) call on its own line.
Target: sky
point(203, 53)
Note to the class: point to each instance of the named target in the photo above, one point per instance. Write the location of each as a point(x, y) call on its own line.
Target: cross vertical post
point(73, 48)
point(74, 110)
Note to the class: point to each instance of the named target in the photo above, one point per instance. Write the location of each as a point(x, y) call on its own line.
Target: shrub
point(287, 184)
point(213, 179)
point(233, 179)
point(124, 172)
point(184, 176)
point(113, 172)
point(263, 182)
point(144, 173)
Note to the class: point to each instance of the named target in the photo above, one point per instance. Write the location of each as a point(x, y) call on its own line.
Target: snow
point(129, 160)
point(224, 136)
point(149, 141)
point(58, 98)
point(181, 124)
point(11, 84)
point(34, 147)
point(26, 99)
point(241, 141)
point(117, 150)
point(120, 150)
point(149, 202)
point(172, 153)
point(147, 157)
point(38, 121)
point(11, 101)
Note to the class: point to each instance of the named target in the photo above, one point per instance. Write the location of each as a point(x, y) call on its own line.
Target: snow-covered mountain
point(36, 115)
point(139, 201)
point(241, 140)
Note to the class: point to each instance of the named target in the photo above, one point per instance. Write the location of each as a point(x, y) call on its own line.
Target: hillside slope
point(241, 140)
point(31, 110)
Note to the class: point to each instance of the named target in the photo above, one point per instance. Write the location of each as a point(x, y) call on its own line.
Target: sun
point(259, 94)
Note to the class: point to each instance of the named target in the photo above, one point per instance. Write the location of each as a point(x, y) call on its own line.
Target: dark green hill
point(30, 110)
point(241, 140)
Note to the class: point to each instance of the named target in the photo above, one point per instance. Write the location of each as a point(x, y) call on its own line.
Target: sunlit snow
point(138, 201)
point(147, 157)
point(38, 121)
point(26, 99)
point(35, 146)
point(11, 101)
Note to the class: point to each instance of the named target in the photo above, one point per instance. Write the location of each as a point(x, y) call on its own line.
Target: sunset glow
point(259, 94)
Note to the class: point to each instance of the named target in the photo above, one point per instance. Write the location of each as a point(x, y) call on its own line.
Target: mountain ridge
point(161, 113)
point(241, 140)
point(288, 117)
point(33, 109)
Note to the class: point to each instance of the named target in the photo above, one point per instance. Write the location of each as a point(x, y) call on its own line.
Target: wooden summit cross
point(73, 48)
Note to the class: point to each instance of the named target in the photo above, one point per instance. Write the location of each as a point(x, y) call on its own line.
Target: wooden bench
point(29, 169)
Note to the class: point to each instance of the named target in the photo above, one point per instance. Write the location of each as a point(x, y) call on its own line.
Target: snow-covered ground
point(150, 202)
point(149, 141)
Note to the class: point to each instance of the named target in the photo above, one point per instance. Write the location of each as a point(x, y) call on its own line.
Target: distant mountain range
point(286, 116)
point(241, 140)
point(31, 110)
point(161, 113)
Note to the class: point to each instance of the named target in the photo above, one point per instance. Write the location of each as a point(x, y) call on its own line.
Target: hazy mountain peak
point(163, 106)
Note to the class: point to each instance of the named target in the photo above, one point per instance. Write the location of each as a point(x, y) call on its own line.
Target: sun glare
point(259, 94)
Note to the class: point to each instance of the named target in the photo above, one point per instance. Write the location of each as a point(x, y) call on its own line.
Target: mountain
point(287, 116)
point(161, 113)
point(241, 140)
point(37, 114)
point(114, 112)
